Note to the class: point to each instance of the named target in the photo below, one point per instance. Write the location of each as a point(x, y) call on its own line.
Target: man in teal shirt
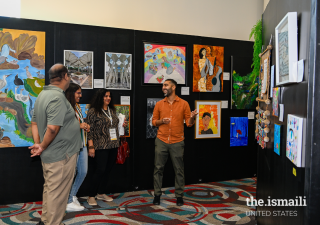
point(57, 139)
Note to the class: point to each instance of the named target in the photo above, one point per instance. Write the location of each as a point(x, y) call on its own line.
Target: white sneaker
point(71, 207)
point(75, 200)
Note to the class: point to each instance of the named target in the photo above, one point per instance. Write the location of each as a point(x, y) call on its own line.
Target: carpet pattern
point(210, 203)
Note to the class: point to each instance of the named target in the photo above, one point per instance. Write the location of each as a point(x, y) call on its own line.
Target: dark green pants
point(176, 151)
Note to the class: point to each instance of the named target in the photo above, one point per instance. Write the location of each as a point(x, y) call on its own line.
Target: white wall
point(265, 3)
point(230, 19)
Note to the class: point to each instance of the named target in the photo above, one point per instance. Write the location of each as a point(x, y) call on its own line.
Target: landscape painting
point(244, 84)
point(151, 131)
point(208, 68)
point(124, 110)
point(238, 131)
point(80, 66)
point(276, 140)
point(162, 62)
point(22, 69)
point(118, 71)
point(294, 139)
point(208, 122)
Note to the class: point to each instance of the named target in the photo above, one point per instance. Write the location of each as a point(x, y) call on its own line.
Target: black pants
point(104, 160)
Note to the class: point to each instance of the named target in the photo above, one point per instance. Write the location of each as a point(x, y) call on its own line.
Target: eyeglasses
point(79, 93)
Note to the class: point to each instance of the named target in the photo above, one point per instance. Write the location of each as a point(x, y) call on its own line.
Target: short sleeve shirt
point(52, 108)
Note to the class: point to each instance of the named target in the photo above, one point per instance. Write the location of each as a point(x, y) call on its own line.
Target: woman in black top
point(103, 143)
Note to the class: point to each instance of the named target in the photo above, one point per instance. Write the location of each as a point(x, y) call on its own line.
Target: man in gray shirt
point(57, 139)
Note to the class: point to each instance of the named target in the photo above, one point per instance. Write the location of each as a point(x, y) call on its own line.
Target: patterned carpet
point(210, 203)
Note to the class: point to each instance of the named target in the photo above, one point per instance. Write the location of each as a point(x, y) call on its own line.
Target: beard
point(168, 93)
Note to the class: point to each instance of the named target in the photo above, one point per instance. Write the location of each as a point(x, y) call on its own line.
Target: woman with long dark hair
point(103, 143)
point(73, 94)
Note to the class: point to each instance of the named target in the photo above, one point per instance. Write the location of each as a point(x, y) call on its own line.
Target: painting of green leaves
point(244, 84)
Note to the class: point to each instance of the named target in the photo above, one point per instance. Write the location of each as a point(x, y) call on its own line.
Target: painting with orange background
point(208, 120)
point(208, 68)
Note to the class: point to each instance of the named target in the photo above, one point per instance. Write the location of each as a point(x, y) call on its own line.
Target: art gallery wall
point(228, 19)
point(275, 173)
point(206, 160)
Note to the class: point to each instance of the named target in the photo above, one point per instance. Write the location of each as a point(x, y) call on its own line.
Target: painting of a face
point(204, 53)
point(206, 121)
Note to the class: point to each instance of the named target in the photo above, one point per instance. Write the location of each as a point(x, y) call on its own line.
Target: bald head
point(57, 72)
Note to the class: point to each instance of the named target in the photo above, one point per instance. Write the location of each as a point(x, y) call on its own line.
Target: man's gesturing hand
point(36, 149)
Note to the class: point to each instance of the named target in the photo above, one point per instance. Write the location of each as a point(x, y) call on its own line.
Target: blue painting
point(84, 109)
point(238, 131)
point(22, 69)
point(277, 130)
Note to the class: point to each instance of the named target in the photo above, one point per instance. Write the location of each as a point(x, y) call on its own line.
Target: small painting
point(84, 109)
point(275, 101)
point(80, 67)
point(208, 68)
point(294, 139)
point(151, 131)
point(208, 121)
point(162, 62)
point(124, 110)
point(22, 69)
point(238, 131)
point(118, 71)
point(277, 135)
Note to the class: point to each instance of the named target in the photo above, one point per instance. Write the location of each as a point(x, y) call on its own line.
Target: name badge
point(113, 134)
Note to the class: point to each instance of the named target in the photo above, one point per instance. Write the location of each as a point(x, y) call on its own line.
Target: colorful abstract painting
point(22, 69)
point(238, 131)
point(124, 110)
point(276, 140)
point(151, 131)
point(208, 68)
point(118, 65)
point(80, 66)
point(294, 139)
point(244, 84)
point(275, 101)
point(162, 62)
point(208, 122)
point(84, 109)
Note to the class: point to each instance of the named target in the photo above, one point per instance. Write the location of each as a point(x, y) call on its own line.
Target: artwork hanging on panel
point(151, 131)
point(275, 101)
point(80, 66)
point(208, 68)
point(84, 109)
point(277, 135)
point(294, 139)
point(208, 121)
point(163, 62)
point(244, 84)
point(22, 69)
point(124, 111)
point(118, 71)
point(238, 131)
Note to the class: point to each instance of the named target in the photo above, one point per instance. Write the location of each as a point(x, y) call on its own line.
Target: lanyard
point(79, 114)
point(109, 116)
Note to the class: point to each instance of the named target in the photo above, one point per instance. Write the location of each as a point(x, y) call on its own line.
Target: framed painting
point(84, 109)
point(275, 101)
point(294, 139)
point(151, 131)
point(208, 68)
point(22, 69)
point(277, 138)
point(124, 110)
point(208, 121)
point(118, 71)
point(163, 61)
point(286, 38)
point(244, 84)
point(238, 131)
point(80, 66)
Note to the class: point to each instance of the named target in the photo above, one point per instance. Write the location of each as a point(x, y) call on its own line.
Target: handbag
point(123, 151)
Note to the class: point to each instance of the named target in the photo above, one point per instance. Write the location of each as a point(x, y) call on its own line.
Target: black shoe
point(180, 201)
point(156, 200)
point(40, 223)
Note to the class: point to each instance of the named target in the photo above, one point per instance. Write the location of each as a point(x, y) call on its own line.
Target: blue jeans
point(81, 172)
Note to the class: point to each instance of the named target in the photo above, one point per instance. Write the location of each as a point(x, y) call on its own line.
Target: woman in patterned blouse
point(103, 142)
